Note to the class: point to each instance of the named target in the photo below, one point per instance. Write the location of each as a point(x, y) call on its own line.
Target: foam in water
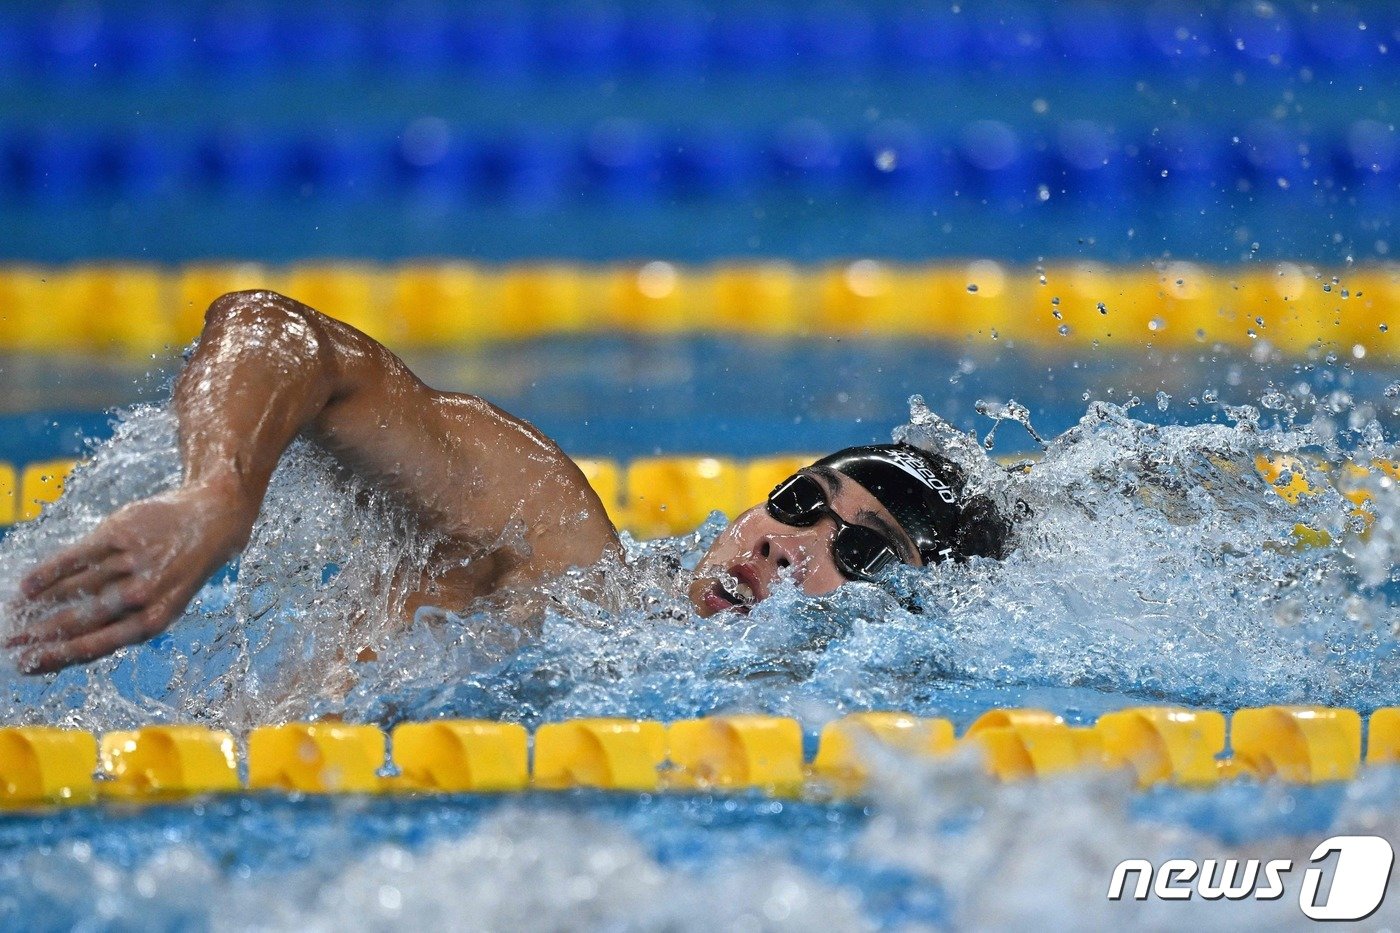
point(944, 844)
point(1153, 564)
point(519, 869)
point(1040, 854)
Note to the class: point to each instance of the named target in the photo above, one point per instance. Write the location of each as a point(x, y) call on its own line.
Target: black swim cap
point(926, 494)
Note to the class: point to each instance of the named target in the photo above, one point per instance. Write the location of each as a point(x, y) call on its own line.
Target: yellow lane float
point(614, 754)
point(315, 758)
point(461, 755)
point(168, 761)
point(731, 752)
point(1156, 745)
point(1299, 744)
point(39, 764)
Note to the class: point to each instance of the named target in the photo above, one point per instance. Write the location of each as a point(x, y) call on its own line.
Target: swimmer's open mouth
point(734, 590)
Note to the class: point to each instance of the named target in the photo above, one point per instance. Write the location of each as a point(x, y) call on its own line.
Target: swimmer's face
point(756, 550)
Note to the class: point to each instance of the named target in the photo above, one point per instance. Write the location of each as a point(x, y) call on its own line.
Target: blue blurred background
point(598, 130)
point(601, 130)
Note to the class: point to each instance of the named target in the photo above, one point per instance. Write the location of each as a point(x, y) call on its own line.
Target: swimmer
point(510, 509)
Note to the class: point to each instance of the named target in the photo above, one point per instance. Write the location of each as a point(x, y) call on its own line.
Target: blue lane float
point(70, 42)
point(634, 162)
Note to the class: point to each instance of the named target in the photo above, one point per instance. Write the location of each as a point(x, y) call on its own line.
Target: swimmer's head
point(847, 517)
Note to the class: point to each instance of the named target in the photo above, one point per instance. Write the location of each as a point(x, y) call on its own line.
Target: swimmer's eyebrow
point(828, 474)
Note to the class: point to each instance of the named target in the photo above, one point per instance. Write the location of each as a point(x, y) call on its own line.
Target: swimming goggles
point(860, 552)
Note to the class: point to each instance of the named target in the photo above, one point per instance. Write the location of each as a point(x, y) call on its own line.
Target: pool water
point(1239, 148)
point(931, 846)
point(624, 396)
point(1155, 567)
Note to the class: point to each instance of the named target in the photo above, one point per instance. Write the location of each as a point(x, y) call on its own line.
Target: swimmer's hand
point(130, 578)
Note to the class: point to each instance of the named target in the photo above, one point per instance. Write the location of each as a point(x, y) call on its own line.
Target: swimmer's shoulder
point(520, 479)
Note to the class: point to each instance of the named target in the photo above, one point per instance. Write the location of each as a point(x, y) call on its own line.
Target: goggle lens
point(860, 552)
point(799, 501)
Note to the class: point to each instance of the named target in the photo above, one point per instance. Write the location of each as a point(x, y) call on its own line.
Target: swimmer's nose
point(782, 554)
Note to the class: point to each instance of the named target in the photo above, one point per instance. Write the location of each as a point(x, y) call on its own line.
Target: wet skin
point(510, 508)
point(756, 550)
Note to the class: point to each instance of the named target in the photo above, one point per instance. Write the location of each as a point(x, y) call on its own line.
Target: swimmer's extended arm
point(267, 369)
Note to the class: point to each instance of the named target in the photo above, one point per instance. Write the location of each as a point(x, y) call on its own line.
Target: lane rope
point(42, 765)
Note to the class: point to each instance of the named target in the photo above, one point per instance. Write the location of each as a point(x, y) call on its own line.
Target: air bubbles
point(986, 278)
point(390, 898)
point(1288, 614)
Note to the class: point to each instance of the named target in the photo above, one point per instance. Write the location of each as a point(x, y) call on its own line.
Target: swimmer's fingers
point(55, 656)
point(67, 562)
point(86, 615)
point(82, 637)
point(88, 581)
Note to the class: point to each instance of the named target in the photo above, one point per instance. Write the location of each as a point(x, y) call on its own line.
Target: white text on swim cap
point(915, 467)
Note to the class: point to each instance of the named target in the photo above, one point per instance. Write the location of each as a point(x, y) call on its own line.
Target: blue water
point(1156, 567)
point(624, 397)
point(1202, 607)
point(263, 839)
point(600, 130)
